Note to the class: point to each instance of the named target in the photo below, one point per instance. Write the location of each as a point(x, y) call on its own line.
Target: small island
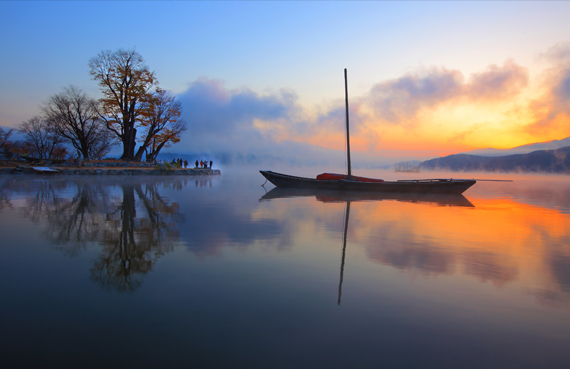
point(74, 132)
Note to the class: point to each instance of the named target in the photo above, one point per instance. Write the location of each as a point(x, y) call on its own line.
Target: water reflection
point(421, 276)
point(328, 196)
point(344, 196)
point(72, 221)
point(203, 182)
point(494, 240)
point(346, 217)
point(132, 243)
point(130, 220)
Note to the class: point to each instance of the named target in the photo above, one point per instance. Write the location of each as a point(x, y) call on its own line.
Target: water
point(213, 272)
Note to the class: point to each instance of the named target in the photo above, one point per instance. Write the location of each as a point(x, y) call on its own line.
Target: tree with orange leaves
point(126, 84)
point(161, 123)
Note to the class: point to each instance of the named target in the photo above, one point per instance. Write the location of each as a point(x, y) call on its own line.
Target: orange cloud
point(438, 110)
point(432, 111)
point(400, 100)
point(552, 109)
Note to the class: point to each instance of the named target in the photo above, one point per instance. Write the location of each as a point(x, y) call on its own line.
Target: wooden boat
point(352, 183)
point(442, 186)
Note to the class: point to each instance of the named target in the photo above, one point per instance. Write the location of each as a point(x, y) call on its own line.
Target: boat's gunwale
point(400, 181)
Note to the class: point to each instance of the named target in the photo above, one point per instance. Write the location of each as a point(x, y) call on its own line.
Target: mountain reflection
point(130, 220)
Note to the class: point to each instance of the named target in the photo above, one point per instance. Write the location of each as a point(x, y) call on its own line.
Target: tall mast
point(347, 131)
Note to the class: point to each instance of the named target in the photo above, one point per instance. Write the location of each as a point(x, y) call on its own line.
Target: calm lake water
point(219, 272)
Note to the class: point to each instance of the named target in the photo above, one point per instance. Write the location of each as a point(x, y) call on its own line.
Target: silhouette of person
point(211, 162)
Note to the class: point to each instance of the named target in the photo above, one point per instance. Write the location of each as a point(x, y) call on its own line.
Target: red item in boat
point(333, 177)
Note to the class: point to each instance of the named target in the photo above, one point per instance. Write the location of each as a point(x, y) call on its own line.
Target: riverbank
point(99, 167)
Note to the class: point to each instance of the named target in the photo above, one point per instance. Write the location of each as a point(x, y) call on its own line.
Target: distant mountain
point(524, 149)
point(549, 161)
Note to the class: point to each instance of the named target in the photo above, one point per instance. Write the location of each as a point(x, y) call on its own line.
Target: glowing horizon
point(432, 83)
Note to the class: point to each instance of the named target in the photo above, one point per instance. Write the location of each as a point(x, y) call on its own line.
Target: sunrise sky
point(266, 78)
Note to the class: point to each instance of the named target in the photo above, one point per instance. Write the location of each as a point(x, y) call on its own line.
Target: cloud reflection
point(499, 241)
point(496, 240)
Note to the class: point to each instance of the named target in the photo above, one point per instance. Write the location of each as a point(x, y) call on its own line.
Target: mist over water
point(223, 272)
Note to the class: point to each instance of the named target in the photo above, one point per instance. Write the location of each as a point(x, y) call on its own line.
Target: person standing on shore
point(211, 162)
point(196, 163)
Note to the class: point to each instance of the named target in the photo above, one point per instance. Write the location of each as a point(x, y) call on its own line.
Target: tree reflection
point(131, 244)
point(4, 196)
point(131, 221)
point(75, 223)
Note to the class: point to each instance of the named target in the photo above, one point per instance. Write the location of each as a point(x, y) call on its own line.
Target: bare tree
point(20, 148)
point(101, 144)
point(126, 84)
point(75, 116)
point(162, 125)
point(4, 136)
point(41, 138)
point(6, 150)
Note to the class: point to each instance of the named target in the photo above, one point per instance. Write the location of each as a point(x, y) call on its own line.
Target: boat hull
point(442, 186)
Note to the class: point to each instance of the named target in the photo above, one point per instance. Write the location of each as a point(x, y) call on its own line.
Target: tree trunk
point(140, 152)
point(129, 144)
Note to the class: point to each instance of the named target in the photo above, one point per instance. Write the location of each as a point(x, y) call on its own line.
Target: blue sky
point(293, 53)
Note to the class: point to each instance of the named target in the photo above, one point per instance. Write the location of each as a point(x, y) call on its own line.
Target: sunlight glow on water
point(218, 272)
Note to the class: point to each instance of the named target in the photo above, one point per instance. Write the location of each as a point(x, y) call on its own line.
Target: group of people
point(204, 164)
point(184, 163)
point(181, 163)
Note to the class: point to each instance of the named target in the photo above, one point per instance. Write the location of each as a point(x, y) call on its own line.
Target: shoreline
point(99, 167)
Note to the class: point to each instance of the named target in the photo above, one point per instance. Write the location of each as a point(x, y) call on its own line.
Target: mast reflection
point(343, 250)
point(329, 196)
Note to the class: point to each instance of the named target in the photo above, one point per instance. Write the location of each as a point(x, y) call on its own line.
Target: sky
point(265, 79)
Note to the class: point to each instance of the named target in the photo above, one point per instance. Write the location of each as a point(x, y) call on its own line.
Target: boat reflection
point(498, 240)
point(331, 196)
point(344, 196)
